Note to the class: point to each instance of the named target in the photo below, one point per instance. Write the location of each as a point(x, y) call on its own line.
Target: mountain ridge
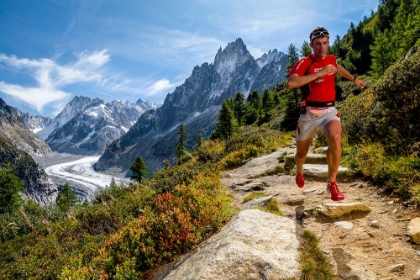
point(195, 104)
point(86, 126)
point(17, 146)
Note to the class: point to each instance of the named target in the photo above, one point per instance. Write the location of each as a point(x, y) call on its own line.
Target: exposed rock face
point(253, 245)
point(37, 183)
point(195, 104)
point(17, 144)
point(13, 129)
point(34, 123)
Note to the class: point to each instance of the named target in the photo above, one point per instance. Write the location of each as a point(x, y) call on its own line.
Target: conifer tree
point(306, 49)
point(10, 188)
point(239, 107)
point(138, 169)
point(66, 198)
point(254, 100)
point(225, 123)
point(267, 103)
point(381, 53)
point(182, 142)
point(252, 107)
point(292, 56)
point(291, 95)
point(200, 140)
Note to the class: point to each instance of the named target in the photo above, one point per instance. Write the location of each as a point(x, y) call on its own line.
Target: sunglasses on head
point(318, 34)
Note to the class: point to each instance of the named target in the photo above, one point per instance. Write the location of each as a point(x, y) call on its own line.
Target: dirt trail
point(373, 247)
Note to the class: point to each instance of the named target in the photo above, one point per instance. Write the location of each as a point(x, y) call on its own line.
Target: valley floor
point(77, 171)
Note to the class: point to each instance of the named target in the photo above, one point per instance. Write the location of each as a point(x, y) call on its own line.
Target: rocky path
point(365, 236)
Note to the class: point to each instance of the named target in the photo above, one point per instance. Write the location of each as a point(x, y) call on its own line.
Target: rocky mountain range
point(195, 104)
point(86, 126)
point(17, 146)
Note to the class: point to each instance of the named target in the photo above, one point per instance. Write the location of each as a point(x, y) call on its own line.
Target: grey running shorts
point(314, 119)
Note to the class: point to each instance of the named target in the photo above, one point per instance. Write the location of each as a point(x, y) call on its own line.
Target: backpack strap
point(305, 88)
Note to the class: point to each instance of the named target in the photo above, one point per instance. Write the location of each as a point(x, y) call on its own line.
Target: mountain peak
point(272, 56)
point(231, 57)
point(195, 104)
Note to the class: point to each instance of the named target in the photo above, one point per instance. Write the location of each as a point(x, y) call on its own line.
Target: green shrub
point(252, 196)
point(211, 150)
point(371, 161)
point(237, 158)
point(173, 225)
point(273, 207)
point(388, 112)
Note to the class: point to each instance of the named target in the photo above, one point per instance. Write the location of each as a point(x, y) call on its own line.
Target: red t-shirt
point(321, 89)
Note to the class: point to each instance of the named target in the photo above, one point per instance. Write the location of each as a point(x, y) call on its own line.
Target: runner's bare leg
point(333, 134)
point(302, 148)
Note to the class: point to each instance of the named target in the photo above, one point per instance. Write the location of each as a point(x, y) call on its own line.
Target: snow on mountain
point(77, 105)
point(86, 126)
point(272, 56)
point(195, 104)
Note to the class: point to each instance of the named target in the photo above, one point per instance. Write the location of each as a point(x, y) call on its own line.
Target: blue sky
point(52, 50)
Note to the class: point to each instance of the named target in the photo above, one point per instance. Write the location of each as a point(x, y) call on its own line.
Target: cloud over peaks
point(49, 77)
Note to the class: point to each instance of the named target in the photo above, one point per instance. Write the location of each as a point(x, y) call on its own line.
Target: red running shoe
point(300, 181)
point(336, 195)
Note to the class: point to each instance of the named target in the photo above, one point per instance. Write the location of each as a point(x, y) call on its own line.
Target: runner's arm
point(344, 73)
point(296, 81)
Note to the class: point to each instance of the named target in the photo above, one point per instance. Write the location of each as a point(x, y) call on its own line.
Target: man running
point(317, 108)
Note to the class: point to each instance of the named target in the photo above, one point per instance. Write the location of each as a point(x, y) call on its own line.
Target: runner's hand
point(327, 70)
point(359, 83)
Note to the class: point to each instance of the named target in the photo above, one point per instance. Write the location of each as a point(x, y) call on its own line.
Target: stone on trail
point(253, 245)
point(413, 230)
point(333, 212)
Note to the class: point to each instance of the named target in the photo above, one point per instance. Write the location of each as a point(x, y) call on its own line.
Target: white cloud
point(159, 87)
point(36, 98)
point(50, 77)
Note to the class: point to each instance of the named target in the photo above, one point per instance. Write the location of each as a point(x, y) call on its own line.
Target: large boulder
point(253, 245)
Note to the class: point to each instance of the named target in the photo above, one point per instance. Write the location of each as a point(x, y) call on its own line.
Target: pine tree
point(292, 95)
point(200, 140)
point(292, 56)
point(10, 186)
point(181, 146)
point(66, 198)
point(225, 123)
point(411, 29)
point(381, 53)
point(267, 103)
point(305, 50)
point(239, 107)
point(398, 28)
point(138, 169)
point(252, 107)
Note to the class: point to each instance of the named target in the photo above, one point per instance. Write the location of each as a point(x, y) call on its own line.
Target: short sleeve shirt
point(321, 89)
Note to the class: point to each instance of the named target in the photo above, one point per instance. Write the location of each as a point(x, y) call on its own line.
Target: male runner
point(317, 109)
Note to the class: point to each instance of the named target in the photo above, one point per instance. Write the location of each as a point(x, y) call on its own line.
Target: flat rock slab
point(333, 212)
point(310, 159)
point(321, 171)
point(263, 165)
point(253, 245)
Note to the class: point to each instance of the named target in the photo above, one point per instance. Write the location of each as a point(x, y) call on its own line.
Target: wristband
point(354, 79)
